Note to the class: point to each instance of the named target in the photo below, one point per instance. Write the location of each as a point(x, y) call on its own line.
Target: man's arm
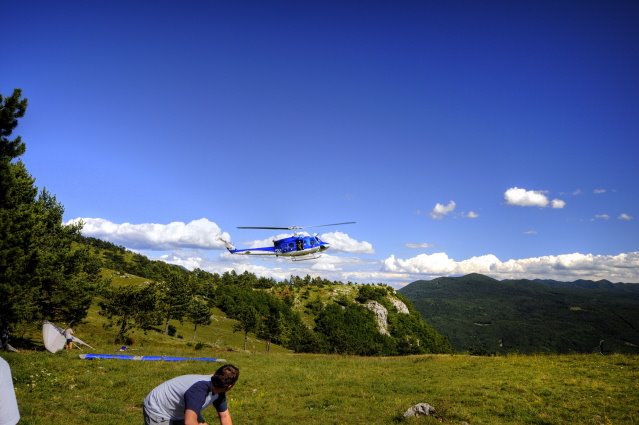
point(225, 417)
point(190, 418)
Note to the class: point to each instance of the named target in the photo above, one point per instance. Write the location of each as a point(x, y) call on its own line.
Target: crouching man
point(180, 400)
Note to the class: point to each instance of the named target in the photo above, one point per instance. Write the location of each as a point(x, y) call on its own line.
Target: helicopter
point(300, 246)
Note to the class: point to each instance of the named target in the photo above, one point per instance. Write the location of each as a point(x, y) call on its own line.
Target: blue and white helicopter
point(300, 246)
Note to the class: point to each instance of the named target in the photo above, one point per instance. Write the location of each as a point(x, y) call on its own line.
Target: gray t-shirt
point(9, 414)
point(170, 399)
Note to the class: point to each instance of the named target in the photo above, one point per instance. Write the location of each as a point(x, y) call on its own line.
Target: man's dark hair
point(225, 376)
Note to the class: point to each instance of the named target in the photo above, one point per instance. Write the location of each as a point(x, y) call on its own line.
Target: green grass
point(284, 388)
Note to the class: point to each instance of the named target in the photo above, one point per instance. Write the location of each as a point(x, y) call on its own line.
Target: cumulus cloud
point(525, 198)
point(602, 217)
point(440, 210)
point(557, 203)
point(624, 216)
point(471, 214)
point(342, 242)
point(200, 233)
point(224, 262)
point(418, 245)
point(530, 198)
point(622, 267)
point(394, 279)
point(599, 191)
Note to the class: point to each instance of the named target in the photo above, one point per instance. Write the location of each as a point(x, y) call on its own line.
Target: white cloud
point(440, 210)
point(200, 233)
point(437, 263)
point(530, 232)
point(530, 198)
point(394, 279)
point(332, 263)
point(623, 267)
point(342, 242)
point(471, 214)
point(624, 216)
point(525, 198)
point(277, 269)
point(418, 245)
point(602, 216)
point(558, 203)
point(599, 191)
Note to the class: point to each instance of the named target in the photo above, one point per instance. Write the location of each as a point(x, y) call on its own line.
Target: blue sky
point(491, 137)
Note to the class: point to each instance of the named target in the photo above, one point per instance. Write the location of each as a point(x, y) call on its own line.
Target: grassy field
point(280, 387)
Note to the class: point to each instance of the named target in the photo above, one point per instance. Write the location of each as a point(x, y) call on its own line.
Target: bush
point(201, 345)
point(371, 292)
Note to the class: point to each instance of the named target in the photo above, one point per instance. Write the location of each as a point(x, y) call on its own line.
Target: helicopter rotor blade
point(269, 227)
point(294, 227)
point(326, 225)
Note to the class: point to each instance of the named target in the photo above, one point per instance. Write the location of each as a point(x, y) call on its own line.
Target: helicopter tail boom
point(253, 251)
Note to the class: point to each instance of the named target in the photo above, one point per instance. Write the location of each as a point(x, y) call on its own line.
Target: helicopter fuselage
point(300, 246)
point(294, 246)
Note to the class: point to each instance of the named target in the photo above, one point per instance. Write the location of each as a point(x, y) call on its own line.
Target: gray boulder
point(420, 409)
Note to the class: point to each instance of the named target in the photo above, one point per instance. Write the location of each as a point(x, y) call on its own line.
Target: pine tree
point(43, 274)
point(199, 313)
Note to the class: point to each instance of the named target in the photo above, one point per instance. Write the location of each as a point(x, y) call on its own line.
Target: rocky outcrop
point(399, 305)
point(382, 316)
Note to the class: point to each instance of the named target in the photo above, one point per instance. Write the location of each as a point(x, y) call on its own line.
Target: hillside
point(483, 315)
point(301, 314)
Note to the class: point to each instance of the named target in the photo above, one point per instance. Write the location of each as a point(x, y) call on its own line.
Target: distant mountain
point(483, 315)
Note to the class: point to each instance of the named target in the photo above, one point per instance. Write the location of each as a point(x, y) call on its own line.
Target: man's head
point(225, 377)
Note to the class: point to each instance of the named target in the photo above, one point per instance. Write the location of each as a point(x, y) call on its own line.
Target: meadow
point(281, 387)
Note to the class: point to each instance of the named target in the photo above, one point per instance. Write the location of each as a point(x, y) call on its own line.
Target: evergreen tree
point(272, 326)
point(199, 313)
point(130, 307)
point(42, 273)
point(175, 295)
point(248, 322)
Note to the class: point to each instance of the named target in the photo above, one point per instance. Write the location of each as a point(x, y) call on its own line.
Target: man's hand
point(190, 418)
point(225, 418)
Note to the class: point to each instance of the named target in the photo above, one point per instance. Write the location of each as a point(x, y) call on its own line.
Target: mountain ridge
point(483, 315)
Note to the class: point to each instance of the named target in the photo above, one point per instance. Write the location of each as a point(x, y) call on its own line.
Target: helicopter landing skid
point(307, 257)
